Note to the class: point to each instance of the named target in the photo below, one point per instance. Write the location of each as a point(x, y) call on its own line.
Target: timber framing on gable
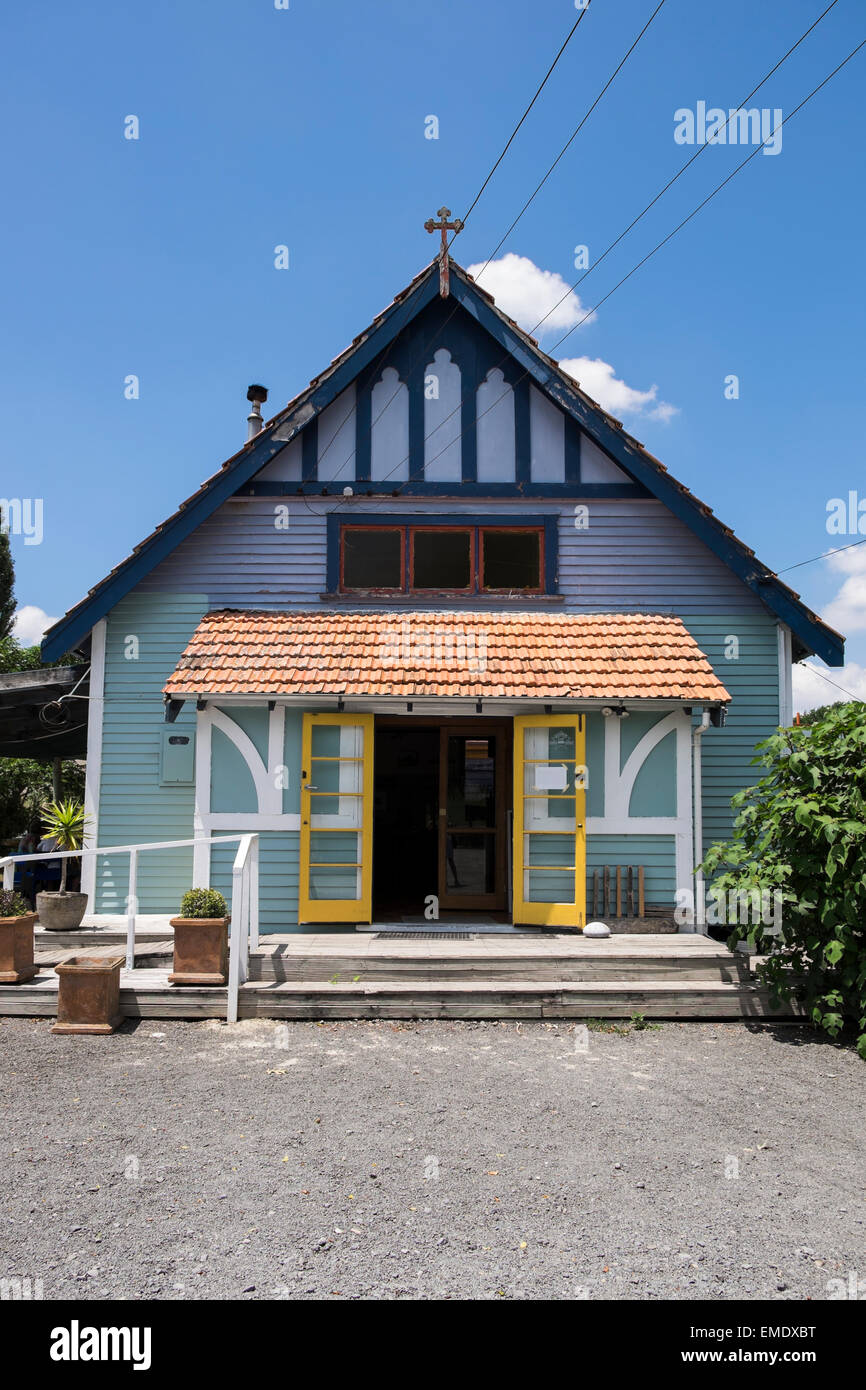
point(526, 363)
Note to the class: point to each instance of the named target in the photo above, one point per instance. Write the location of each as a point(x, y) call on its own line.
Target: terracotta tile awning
point(545, 656)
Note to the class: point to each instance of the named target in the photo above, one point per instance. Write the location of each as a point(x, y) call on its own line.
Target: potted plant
point(88, 997)
point(65, 823)
point(16, 938)
point(201, 939)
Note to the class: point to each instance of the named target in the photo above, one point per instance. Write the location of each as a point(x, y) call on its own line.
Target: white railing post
point(130, 909)
point(254, 895)
point(8, 873)
point(239, 939)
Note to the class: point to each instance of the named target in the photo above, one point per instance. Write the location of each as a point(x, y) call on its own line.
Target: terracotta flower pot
point(88, 1000)
point(201, 951)
point(16, 949)
point(61, 911)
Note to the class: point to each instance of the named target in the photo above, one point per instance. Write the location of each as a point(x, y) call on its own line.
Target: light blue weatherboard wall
point(232, 789)
point(133, 805)
point(752, 680)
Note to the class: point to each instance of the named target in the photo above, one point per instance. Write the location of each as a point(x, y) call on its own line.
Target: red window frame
point(511, 531)
point(471, 587)
point(382, 589)
point(476, 533)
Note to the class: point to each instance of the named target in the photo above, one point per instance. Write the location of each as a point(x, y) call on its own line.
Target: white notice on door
point(551, 778)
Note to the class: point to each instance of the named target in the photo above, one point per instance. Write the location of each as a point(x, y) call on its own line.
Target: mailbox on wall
point(177, 757)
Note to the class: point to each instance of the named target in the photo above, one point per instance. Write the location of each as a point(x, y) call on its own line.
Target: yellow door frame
point(337, 909)
point(556, 914)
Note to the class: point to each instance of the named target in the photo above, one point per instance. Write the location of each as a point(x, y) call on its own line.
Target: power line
point(475, 200)
point(839, 550)
point(656, 248)
point(856, 698)
point(575, 132)
point(698, 152)
point(649, 254)
point(538, 92)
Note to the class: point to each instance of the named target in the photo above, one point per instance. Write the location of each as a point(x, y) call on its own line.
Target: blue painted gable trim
point(79, 622)
point(814, 635)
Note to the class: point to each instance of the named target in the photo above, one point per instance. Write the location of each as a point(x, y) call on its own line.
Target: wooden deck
point(375, 975)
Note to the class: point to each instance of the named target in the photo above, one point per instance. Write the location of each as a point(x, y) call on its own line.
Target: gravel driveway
point(429, 1160)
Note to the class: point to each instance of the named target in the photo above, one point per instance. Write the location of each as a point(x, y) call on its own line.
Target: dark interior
point(405, 820)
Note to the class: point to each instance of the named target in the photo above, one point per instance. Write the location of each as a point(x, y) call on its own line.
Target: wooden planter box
point(201, 951)
point(16, 949)
point(88, 1000)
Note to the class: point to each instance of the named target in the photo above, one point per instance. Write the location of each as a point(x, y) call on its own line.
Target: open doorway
point(405, 818)
point(440, 822)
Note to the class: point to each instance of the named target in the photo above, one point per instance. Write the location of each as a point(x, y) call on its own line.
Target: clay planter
point(61, 911)
point(88, 1000)
point(16, 949)
point(201, 951)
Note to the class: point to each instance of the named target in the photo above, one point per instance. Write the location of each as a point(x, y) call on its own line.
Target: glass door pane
point(471, 819)
point(549, 814)
point(336, 818)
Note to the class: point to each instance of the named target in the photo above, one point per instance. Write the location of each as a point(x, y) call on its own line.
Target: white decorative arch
point(389, 427)
point(494, 430)
point(442, 452)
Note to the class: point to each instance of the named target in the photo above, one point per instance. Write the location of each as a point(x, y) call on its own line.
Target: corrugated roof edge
point(814, 635)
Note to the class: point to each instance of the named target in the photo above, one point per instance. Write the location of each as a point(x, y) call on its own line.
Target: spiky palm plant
point(66, 824)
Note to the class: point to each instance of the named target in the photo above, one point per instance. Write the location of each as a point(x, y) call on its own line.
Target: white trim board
point(93, 767)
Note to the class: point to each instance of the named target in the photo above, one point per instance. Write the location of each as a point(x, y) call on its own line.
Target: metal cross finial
point(444, 226)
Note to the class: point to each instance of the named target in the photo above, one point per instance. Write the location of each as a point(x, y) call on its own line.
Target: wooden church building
point(446, 636)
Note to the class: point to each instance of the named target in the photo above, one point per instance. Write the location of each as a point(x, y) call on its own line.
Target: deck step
point(515, 964)
point(491, 998)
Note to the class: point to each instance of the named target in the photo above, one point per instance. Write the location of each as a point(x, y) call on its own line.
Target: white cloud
point(598, 380)
point(527, 293)
point(847, 611)
point(30, 624)
point(812, 689)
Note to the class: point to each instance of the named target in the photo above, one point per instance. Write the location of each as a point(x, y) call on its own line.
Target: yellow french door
point(549, 856)
point(336, 875)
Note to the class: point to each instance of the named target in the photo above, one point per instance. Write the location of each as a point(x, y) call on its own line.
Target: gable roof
point(810, 633)
point(527, 656)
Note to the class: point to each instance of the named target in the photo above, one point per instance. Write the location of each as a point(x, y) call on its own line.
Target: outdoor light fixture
point(477, 706)
point(340, 705)
point(408, 706)
point(201, 704)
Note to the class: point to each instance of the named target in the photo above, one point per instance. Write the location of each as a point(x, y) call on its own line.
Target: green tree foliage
point(26, 787)
point(814, 716)
point(801, 831)
point(7, 583)
point(14, 657)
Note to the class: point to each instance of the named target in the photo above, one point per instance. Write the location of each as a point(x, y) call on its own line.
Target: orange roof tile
point(468, 654)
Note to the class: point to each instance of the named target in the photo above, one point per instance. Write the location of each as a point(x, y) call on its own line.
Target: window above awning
point(445, 655)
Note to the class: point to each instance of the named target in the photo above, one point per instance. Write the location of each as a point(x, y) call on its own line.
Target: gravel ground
point(431, 1160)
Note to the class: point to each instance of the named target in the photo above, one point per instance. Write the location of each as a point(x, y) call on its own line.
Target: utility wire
point(505, 150)
point(538, 92)
point(575, 132)
point(649, 254)
point(814, 558)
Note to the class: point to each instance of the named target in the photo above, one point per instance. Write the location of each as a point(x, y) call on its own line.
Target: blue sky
point(306, 127)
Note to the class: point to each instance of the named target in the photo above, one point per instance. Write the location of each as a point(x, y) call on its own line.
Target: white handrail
point(245, 889)
point(244, 904)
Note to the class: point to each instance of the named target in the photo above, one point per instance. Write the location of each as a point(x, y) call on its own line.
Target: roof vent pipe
point(257, 395)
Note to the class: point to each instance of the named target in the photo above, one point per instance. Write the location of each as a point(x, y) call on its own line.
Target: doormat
point(423, 936)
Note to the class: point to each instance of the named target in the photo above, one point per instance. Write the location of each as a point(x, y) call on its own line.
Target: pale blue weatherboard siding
point(657, 854)
point(634, 555)
point(278, 878)
point(133, 807)
point(753, 683)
